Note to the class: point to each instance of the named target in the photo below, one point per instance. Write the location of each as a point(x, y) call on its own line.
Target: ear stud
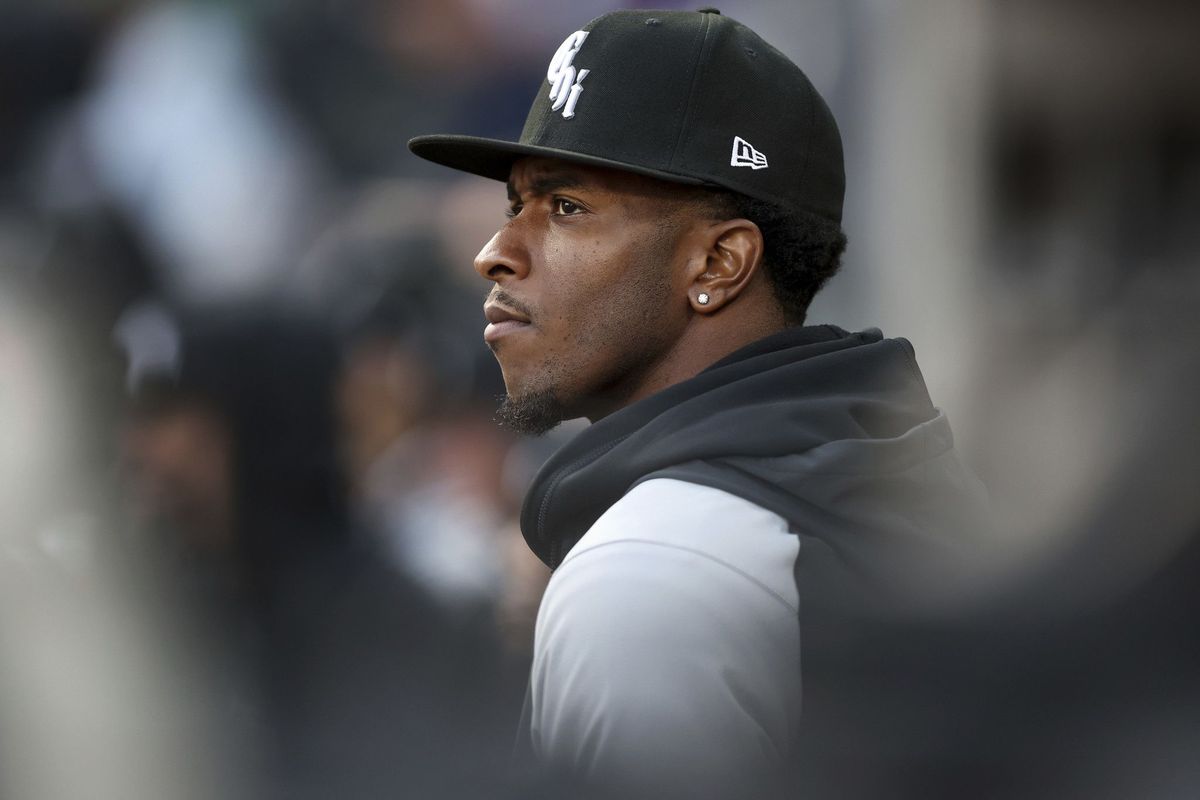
point(703, 298)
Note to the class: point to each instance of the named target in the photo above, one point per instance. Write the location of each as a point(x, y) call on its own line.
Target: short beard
point(532, 414)
point(549, 401)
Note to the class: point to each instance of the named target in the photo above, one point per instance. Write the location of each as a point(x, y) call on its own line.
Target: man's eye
point(512, 211)
point(565, 207)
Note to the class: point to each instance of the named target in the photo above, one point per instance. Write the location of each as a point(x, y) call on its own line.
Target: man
point(674, 203)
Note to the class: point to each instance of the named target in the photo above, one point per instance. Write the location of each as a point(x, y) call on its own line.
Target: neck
point(705, 340)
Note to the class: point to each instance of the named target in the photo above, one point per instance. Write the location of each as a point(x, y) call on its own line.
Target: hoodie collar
point(782, 395)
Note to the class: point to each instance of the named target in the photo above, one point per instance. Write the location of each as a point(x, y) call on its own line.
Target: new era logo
point(744, 155)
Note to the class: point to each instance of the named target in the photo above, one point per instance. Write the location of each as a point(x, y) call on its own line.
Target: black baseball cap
point(691, 97)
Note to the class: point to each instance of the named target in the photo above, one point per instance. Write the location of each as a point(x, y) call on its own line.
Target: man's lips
point(502, 321)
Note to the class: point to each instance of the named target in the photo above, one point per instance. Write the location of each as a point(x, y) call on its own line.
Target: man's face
point(179, 473)
point(587, 301)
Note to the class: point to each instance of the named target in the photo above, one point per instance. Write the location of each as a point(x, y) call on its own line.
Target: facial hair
point(532, 414)
point(634, 331)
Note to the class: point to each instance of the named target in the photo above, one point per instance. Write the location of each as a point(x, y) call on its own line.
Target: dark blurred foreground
point(257, 528)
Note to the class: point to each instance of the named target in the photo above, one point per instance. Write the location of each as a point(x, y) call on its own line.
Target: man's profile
point(674, 203)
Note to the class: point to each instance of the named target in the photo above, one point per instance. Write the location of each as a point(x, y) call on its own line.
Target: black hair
point(801, 251)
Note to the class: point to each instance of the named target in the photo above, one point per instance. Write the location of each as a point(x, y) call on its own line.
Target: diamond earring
point(702, 298)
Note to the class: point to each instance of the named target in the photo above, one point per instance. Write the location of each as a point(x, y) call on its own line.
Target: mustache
point(505, 299)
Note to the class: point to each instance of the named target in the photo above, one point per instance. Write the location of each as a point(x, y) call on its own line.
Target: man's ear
point(732, 253)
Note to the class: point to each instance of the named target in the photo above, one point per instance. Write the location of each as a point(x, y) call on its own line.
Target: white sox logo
point(565, 84)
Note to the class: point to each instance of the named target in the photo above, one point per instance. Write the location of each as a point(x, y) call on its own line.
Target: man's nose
point(504, 256)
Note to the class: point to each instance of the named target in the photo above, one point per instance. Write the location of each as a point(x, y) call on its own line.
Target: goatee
point(532, 414)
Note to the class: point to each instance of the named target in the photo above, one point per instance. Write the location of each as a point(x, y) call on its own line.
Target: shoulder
point(677, 525)
point(671, 628)
point(674, 561)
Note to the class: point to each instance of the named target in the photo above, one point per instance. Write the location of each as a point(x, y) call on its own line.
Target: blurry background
point(257, 529)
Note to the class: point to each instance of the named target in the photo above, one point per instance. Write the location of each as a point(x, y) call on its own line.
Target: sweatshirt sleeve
point(665, 659)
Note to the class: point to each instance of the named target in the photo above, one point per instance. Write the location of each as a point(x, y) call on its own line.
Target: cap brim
point(493, 158)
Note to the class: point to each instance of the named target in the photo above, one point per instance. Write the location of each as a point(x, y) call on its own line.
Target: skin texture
point(607, 267)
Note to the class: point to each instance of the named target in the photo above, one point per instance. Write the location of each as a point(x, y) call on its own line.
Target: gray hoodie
point(701, 535)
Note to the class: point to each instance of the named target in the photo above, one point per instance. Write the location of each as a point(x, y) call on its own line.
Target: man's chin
point(532, 413)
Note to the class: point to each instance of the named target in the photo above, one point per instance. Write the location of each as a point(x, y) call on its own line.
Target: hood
point(833, 431)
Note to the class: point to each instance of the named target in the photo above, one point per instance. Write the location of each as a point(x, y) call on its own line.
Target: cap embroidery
point(744, 155)
point(565, 84)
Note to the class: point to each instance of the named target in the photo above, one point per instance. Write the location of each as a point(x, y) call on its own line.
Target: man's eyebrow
point(547, 184)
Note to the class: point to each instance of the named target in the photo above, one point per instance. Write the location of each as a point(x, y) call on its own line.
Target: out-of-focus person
point(433, 483)
point(348, 675)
